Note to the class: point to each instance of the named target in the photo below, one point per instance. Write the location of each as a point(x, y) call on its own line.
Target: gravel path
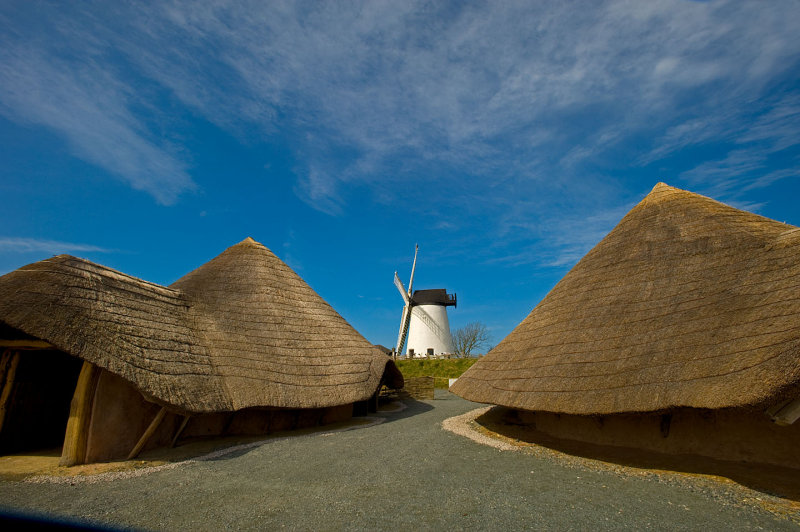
point(406, 473)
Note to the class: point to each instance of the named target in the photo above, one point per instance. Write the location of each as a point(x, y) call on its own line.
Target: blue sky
point(506, 138)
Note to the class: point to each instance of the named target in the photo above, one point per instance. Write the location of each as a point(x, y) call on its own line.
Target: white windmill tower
point(424, 318)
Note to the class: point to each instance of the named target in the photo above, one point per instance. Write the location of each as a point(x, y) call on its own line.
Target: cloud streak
point(91, 107)
point(505, 90)
point(33, 245)
point(496, 101)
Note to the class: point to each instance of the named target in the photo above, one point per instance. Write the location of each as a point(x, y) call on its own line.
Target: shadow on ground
point(45, 462)
point(778, 481)
point(389, 409)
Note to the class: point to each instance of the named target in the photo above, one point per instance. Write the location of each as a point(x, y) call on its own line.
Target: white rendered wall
point(421, 337)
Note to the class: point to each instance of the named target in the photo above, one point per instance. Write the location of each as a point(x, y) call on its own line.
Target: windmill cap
point(435, 296)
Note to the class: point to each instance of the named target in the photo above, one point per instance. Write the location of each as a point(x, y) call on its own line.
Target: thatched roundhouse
point(241, 345)
point(679, 332)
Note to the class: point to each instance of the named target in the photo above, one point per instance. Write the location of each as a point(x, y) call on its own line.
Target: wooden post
point(373, 406)
point(180, 430)
point(80, 414)
point(785, 413)
point(147, 433)
point(8, 370)
point(26, 344)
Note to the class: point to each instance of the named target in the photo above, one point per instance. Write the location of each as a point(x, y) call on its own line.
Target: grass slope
point(441, 370)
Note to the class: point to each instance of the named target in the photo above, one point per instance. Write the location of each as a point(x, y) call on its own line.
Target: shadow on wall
point(679, 442)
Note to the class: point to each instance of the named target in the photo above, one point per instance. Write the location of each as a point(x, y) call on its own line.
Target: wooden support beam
point(180, 430)
point(80, 414)
point(8, 370)
point(26, 344)
point(785, 413)
point(147, 433)
point(372, 403)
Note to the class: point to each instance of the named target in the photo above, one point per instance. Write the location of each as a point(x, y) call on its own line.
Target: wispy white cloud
point(718, 177)
point(777, 129)
point(317, 188)
point(748, 163)
point(751, 206)
point(33, 245)
point(564, 240)
point(444, 225)
point(479, 105)
point(287, 254)
point(90, 107)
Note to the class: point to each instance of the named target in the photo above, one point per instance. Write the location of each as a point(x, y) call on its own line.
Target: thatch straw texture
point(244, 330)
point(686, 303)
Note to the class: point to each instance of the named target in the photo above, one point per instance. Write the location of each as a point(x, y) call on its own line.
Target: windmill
point(424, 321)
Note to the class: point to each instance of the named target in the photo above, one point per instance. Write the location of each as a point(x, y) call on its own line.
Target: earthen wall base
point(120, 415)
point(736, 435)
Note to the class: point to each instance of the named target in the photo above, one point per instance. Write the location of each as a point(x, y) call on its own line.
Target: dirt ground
point(402, 471)
point(41, 466)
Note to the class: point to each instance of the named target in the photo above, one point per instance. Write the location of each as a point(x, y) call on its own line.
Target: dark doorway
point(38, 406)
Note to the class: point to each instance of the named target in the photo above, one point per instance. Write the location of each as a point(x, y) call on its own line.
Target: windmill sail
point(401, 337)
point(406, 319)
point(413, 269)
point(402, 289)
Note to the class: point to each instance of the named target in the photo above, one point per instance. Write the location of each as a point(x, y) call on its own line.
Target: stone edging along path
point(720, 488)
point(463, 426)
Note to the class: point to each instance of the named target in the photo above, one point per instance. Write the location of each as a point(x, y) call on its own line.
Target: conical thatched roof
point(686, 303)
point(241, 331)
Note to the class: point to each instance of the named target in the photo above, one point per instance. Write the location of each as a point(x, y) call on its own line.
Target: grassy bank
point(441, 370)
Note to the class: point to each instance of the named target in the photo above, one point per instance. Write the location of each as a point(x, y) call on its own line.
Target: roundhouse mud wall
point(257, 421)
point(736, 435)
point(120, 415)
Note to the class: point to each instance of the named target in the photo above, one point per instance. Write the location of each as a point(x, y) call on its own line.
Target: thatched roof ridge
point(686, 303)
point(241, 331)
